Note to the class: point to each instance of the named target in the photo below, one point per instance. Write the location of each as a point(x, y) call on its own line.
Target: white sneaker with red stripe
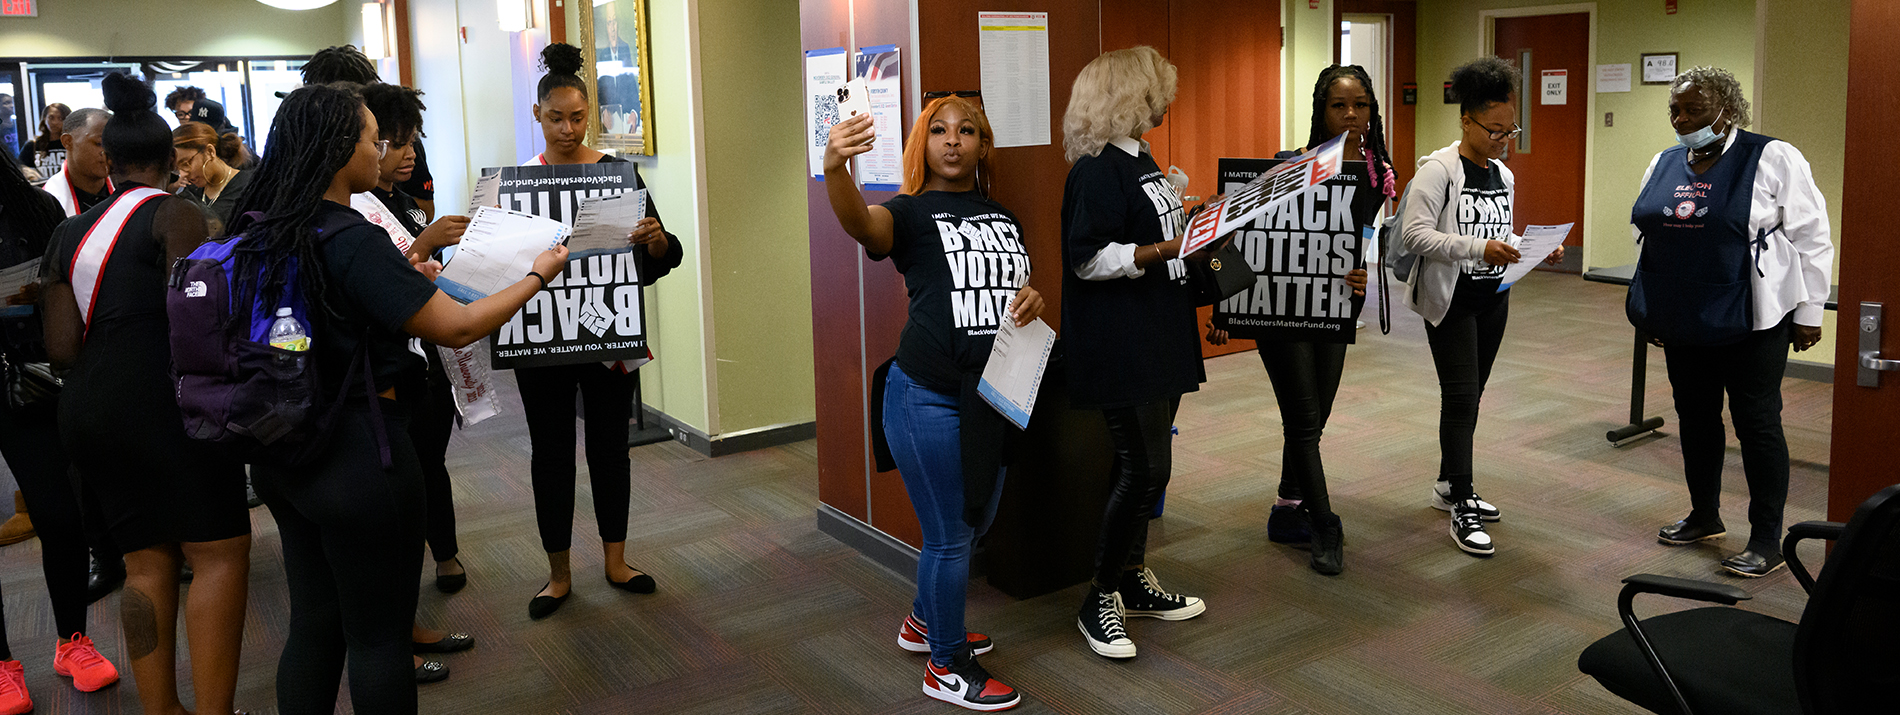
point(966, 684)
point(913, 636)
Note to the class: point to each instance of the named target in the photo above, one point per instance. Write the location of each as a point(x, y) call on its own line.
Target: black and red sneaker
point(913, 636)
point(965, 683)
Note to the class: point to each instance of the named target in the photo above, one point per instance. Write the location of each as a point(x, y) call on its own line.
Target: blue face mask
point(1701, 137)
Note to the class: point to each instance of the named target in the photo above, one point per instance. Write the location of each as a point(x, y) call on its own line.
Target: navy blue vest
point(1692, 284)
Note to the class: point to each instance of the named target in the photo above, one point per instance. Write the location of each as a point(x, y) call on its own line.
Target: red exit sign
point(19, 8)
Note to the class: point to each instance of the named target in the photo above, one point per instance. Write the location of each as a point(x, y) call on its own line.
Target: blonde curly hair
point(1118, 94)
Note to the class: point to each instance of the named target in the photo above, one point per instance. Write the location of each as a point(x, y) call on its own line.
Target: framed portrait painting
point(615, 33)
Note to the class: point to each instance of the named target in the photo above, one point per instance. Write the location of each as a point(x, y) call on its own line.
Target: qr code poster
point(825, 71)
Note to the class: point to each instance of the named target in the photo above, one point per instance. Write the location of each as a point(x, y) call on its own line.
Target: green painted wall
point(95, 28)
point(755, 164)
point(1804, 102)
point(1308, 50)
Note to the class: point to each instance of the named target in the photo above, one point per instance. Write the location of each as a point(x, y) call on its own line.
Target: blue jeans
point(921, 426)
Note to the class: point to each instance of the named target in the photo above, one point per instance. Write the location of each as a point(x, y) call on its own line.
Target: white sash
point(89, 260)
point(373, 209)
point(61, 187)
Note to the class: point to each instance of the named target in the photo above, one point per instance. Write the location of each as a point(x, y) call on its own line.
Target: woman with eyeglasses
point(207, 162)
point(1456, 216)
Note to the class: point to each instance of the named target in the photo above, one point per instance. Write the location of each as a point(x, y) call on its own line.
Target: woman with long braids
point(163, 497)
point(352, 528)
point(1305, 374)
point(1128, 321)
point(946, 441)
point(606, 391)
point(1457, 218)
point(29, 440)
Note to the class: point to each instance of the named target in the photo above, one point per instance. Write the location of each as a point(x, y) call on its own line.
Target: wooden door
point(1866, 418)
point(1548, 156)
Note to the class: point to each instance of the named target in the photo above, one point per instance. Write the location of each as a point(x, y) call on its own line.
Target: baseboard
point(879, 547)
point(722, 445)
point(1805, 370)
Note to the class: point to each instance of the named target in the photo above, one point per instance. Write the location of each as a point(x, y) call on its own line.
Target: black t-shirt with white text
point(1484, 213)
point(963, 259)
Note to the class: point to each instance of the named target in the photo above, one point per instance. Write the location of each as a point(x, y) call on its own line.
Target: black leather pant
point(1143, 460)
point(1305, 380)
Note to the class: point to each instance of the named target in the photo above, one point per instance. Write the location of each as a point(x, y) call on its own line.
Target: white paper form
point(496, 251)
point(1013, 52)
point(602, 223)
point(1013, 375)
point(824, 71)
point(487, 192)
point(1537, 243)
point(12, 281)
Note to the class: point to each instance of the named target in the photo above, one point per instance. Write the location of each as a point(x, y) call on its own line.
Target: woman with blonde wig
point(1128, 322)
point(966, 270)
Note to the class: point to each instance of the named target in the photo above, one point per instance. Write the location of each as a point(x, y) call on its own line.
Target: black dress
point(118, 415)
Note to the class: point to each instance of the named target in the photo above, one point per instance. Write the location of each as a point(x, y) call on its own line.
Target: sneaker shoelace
point(1467, 517)
point(82, 653)
point(13, 682)
point(1110, 617)
point(1153, 585)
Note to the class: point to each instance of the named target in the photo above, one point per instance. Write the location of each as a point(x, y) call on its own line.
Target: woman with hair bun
point(606, 390)
point(207, 162)
point(1457, 218)
point(164, 498)
point(1128, 323)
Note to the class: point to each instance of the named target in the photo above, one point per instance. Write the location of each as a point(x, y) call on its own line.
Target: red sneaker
point(82, 662)
point(912, 636)
point(966, 684)
point(13, 697)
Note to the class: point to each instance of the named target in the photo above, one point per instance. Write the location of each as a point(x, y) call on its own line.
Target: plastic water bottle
point(288, 334)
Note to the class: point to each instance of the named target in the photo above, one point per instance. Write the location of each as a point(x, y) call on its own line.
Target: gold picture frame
point(622, 114)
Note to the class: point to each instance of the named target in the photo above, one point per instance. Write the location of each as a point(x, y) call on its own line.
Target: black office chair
point(1843, 657)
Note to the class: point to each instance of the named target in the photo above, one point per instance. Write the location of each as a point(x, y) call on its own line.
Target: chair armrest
point(1829, 530)
point(1679, 588)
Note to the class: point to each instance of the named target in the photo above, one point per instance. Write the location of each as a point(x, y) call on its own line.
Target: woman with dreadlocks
point(352, 527)
point(1305, 375)
point(162, 496)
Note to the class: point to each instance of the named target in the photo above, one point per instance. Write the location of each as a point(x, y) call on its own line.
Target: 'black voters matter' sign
point(593, 311)
point(1301, 251)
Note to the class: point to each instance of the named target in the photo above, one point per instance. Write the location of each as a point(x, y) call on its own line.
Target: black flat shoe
point(1749, 564)
point(104, 577)
point(1329, 540)
point(432, 672)
point(544, 606)
point(450, 643)
point(451, 582)
point(1686, 532)
point(638, 584)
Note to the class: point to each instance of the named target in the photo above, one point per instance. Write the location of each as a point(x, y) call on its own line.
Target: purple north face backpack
point(259, 404)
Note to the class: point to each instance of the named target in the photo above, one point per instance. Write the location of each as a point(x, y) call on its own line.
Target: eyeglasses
point(181, 114)
point(967, 94)
point(1501, 134)
point(382, 148)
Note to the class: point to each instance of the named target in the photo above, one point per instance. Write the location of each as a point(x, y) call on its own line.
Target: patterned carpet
point(760, 613)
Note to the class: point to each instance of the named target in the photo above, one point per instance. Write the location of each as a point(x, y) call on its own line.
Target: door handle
point(1871, 364)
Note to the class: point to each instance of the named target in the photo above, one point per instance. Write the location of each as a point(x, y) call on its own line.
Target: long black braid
point(339, 63)
point(313, 137)
point(1374, 140)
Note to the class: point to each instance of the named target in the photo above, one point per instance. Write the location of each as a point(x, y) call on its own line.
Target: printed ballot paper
point(1013, 375)
point(603, 223)
point(497, 250)
point(1537, 243)
point(487, 192)
point(12, 281)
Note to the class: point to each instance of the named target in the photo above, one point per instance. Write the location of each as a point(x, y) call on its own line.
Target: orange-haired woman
point(967, 270)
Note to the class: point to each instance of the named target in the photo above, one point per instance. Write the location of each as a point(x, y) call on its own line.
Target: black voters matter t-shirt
point(1484, 212)
point(963, 260)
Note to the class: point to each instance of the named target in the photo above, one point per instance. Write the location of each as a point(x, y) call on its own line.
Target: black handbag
point(1219, 273)
point(29, 383)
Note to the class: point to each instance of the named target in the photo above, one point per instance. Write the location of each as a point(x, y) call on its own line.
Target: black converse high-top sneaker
point(1101, 624)
point(1143, 596)
point(966, 684)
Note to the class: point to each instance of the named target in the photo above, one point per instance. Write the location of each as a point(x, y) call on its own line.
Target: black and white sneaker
point(1143, 596)
point(1101, 624)
point(1467, 528)
point(966, 684)
point(1441, 500)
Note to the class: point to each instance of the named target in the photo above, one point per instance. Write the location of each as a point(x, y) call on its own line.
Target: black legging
point(352, 537)
point(29, 439)
point(1464, 345)
point(1143, 460)
point(431, 404)
point(1750, 371)
point(547, 400)
point(1305, 379)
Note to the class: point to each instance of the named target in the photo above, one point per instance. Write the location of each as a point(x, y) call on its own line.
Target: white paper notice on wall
point(1556, 84)
point(1613, 78)
point(882, 168)
point(1014, 57)
point(824, 73)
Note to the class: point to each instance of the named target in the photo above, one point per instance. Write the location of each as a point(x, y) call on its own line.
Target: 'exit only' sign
point(19, 8)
